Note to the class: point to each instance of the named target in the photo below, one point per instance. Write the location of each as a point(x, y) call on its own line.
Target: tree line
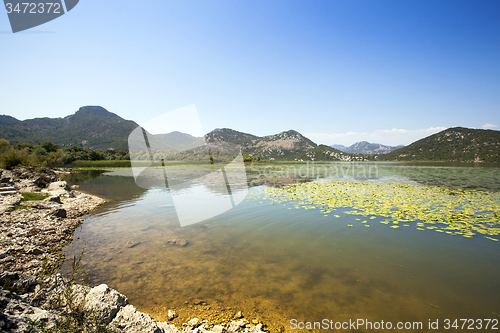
point(50, 154)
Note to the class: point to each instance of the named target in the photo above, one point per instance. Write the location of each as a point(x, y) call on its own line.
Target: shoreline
point(22, 250)
point(32, 236)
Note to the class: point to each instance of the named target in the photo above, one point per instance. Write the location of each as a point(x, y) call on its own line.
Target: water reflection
point(115, 189)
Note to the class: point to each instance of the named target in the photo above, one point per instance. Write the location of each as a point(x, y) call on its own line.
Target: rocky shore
point(34, 228)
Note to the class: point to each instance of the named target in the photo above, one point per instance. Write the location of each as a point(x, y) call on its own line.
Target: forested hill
point(453, 144)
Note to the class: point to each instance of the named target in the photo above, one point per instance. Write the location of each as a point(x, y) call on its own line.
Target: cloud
point(391, 137)
point(489, 126)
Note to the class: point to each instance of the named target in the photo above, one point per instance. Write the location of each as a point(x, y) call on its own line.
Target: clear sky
point(338, 72)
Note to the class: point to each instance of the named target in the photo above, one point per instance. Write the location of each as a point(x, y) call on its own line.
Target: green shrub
point(48, 154)
point(4, 144)
point(49, 146)
point(12, 158)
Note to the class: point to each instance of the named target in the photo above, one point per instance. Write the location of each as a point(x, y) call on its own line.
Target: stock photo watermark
point(365, 324)
point(24, 15)
point(210, 191)
point(316, 170)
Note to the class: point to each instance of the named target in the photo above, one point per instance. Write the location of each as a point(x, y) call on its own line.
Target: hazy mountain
point(364, 147)
point(452, 144)
point(180, 141)
point(340, 147)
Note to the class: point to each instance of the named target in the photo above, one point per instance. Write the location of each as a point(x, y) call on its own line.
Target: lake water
point(276, 264)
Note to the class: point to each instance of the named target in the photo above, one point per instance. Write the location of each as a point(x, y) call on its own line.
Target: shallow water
point(276, 264)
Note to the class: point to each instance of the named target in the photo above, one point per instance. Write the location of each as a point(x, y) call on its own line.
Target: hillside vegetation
point(92, 127)
point(453, 144)
point(48, 154)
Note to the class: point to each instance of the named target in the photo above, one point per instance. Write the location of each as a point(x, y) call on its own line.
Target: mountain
point(285, 146)
point(179, 141)
point(340, 147)
point(364, 147)
point(96, 128)
point(6, 120)
point(93, 127)
point(452, 144)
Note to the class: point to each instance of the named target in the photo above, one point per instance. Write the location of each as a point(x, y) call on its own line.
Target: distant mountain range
point(285, 146)
point(364, 147)
point(96, 128)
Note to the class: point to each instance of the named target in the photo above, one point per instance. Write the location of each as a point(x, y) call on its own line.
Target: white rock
point(219, 329)
point(57, 188)
point(106, 302)
point(168, 328)
point(195, 322)
point(236, 325)
point(43, 316)
point(171, 314)
point(129, 320)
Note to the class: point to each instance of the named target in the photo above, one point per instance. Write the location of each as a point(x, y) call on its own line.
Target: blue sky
point(339, 72)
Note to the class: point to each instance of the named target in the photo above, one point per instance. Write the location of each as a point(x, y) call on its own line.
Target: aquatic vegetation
point(455, 212)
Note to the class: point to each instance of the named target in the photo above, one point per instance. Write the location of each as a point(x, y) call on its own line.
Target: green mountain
point(91, 126)
point(6, 120)
point(453, 144)
point(285, 146)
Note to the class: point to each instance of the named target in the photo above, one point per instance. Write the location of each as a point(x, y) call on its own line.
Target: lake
point(276, 261)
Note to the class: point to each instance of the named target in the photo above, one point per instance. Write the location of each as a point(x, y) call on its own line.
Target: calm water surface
point(277, 264)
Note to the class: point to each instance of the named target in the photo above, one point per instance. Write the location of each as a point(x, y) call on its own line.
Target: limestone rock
point(171, 314)
point(129, 320)
point(18, 283)
point(57, 188)
point(168, 328)
point(15, 314)
point(105, 302)
point(58, 212)
point(236, 325)
point(219, 329)
point(195, 322)
point(36, 251)
point(53, 199)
